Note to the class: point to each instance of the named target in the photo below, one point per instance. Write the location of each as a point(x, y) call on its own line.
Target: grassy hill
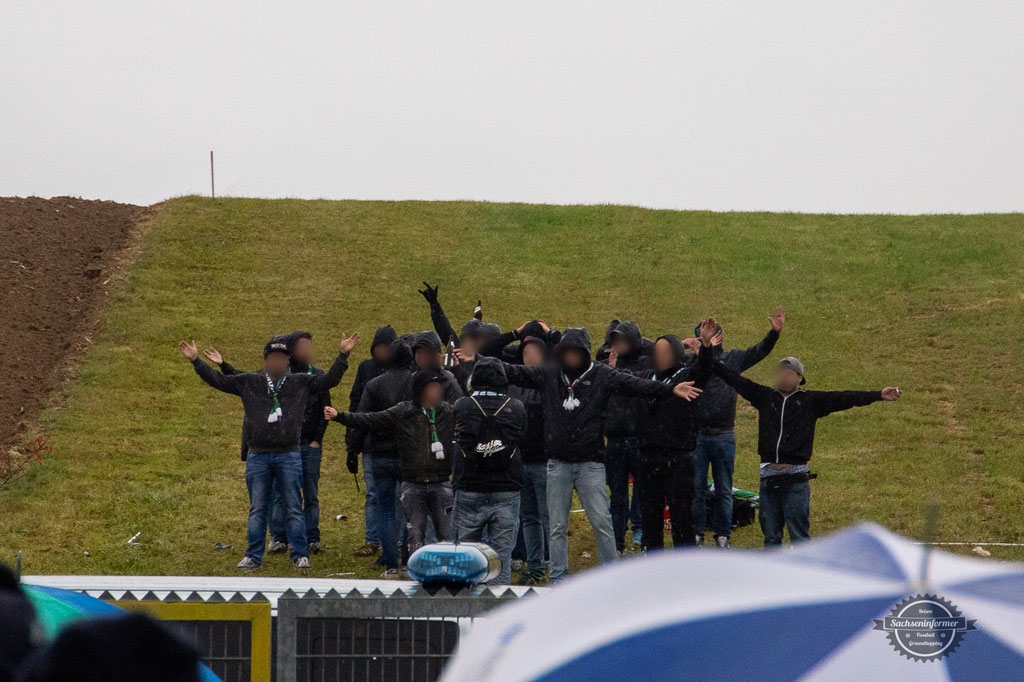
point(934, 304)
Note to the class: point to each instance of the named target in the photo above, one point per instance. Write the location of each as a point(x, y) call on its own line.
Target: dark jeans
point(386, 474)
point(666, 475)
point(497, 515)
point(719, 451)
point(263, 471)
point(423, 501)
point(372, 536)
point(310, 499)
point(621, 457)
point(533, 515)
point(786, 504)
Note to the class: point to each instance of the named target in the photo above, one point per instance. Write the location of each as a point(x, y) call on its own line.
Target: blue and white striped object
point(804, 613)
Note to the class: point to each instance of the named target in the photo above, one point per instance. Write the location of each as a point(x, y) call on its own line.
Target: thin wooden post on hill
point(212, 193)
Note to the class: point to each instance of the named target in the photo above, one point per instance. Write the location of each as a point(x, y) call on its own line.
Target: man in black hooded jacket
point(369, 369)
point(426, 355)
point(488, 471)
point(716, 441)
point(575, 395)
point(424, 431)
point(300, 349)
point(622, 420)
point(274, 401)
point(669, 435)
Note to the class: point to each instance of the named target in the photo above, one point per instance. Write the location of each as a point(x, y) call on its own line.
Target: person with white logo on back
point(488, 468)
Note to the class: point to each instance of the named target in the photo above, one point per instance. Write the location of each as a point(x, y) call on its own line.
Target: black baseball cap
point(276, 346)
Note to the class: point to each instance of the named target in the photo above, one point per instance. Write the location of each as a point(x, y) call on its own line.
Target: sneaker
point(699, 540)
point(638, 538)
point(391, 574)
point(367, 550)
point(313, 548)
point(722, 541)
point(302, 563)
point(277, 547)
point(248, 564)
point(518, 565)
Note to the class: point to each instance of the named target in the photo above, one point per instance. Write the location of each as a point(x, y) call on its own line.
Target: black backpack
point(492, 450)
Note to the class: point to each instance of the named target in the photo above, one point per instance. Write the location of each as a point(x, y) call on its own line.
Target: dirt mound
point(56, 258)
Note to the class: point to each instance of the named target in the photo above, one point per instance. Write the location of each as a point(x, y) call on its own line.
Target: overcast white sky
point(836, 106)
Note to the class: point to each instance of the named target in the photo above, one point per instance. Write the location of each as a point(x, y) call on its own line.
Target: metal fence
point(374, 637)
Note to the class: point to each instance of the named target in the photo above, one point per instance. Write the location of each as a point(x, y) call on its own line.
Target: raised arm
point(518, 375)
point(827, 402)
point(763, 348)
point(384, 420)
point(214, 356)
point(228, 384)
point(442, 325)
point(332, 377)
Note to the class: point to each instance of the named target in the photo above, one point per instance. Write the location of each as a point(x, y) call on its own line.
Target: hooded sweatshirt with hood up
point(409, 425)
point(577, 435)
point(452, 388)
point(624, 415)
point(476, 468)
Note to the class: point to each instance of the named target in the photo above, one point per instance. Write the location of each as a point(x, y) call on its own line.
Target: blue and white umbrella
point(852, 605)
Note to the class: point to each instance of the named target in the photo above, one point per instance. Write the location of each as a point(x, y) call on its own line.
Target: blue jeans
point(788, 505)
point(718, 450)
point(498, 514)
point(533, 516)
point(310, 499)
point(263, 471)
point(621, 457)
point(386, 474)
point(589, 481)
point(370, 505)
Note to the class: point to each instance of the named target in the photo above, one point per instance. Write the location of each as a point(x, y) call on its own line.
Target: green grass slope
point(934, 304)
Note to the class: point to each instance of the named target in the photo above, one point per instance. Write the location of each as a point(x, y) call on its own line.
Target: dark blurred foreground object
point(19, 632)
point(131, 647)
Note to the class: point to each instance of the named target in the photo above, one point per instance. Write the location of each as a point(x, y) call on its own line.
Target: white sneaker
point(248, 564)
point(302, 563)
point(391, 574)
point(722, 541)
point(277, 547)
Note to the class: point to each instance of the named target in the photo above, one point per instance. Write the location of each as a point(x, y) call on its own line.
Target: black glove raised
point(430, 293)
point(352, 462)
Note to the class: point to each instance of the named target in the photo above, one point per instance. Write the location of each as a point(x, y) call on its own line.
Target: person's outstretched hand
point(329, 412)
point(686, 390)
point(778, 319)
point(213, 355)
point(189, 350)
point(348, 342)
point(430, 293)
point(891, 393)
point(708, 332)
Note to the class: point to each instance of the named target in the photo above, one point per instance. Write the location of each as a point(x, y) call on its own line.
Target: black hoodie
point(532, 444)
point(577, 435)
point(624, 414)
point(716, 409)
point(670, 424)
point(452, 388)
point(369, 369)
point(313, 426)
point(285, 434)
point(486, 421)
point(409, 426)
